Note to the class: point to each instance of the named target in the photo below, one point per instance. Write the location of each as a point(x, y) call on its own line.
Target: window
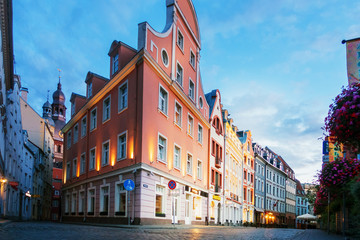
point(76, 133)
point(67, 199)
point(160, 201)
point(190, 128)
point(73, 203)
point(189, 164)
point(93, 119)
point(83, 126)
point(72, 108)
point(180, 40)
point(121, 146)
point(68, 170)
point(123, 97)
point(69, 139)
point(164, 57)
point(179, 74)
point(177, 156)
point(106, 109)
point(162, 142)
point(200, 134)
point(81, 202)
point(201, 102)
point(74, 167)
point(192, 58)
point(89, 89)
point(120, 200)
point(178, 114)
point(91, 201)
point(82, 163)
point(115, 63)
point(104, 200)
point(191, 89)
point(163, 100)
point(199, 169)
point(92, 159)
point(105, 153)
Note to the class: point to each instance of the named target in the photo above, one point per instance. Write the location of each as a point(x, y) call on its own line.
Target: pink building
point(148, 123)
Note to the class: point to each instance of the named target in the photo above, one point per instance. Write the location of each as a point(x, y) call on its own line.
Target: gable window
point(105, 153)
point(162, 142)
point(164, 57)
point(200, 134)
point(76, 133)
point(180, 40)
point(191, 89)
point(201, 102)
point(123, 97)
point(89, 89)
point(189, 164)
point(177, 156)
point(82, 163)
point(83, 126)
point(93, 119)
point(106, 109)
point(190, 127)
point(178, 114)
point(163, 100)
point(115, 66)
point(72, 108)
point(74, 167)
point(199, 169)
point(192, 58)
point(92, 159)
point(121, 146)
point(179, 74)
point(68, 139)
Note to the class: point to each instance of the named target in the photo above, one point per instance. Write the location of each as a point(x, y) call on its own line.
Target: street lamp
point(3, 180)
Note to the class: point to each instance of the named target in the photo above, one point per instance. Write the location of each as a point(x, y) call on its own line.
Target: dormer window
point(72, 108)
point(90, 89)
point(115, 62)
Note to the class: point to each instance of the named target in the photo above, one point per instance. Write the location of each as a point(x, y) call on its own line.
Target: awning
point(259, 209)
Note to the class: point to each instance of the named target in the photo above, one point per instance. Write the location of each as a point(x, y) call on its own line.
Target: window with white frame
point(190, 128)
point(121, 147)
point(177, 157)
point(180, 40)
point(179, 74)
point(120, 200)
point(76, 133)
point(92, 156)
point(73, 203)
point(83, 126)
point(192, 58)
point(74, 167)
point(89, 89)
point(106, 108)
point(191, 89)
point(91, 202)
point(160, 201)
point(123, 96)
point(178, 114)
point(200, 134)
point(68, 139)
point(189, 164)
point(115, 66)
point(93, 119)
point(68, 170)
point(162, 143)
point(105, 153)
point(199, 169)
point(81, 202)
point(104, 200)
point(82, 163)
point(163, 100)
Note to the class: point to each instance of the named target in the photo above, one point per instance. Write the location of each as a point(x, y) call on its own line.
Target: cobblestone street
point(53, 231)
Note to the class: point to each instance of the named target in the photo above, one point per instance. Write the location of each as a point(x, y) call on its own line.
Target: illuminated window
point(160, 201)
point(123, 96)
point(82, 163)
point(83, 126)
point(121, 146)
point(189, 164)
point(178, 114)
point(106, 109)
point(93, 119)
point(92, 159)
point(163, 100)
point(179, 74)
point(91, 202)
point(105, 153)
point(76, 133)
point(180, 40)
point(162, 144)
point(120, 200)
point(104, 200)
point(115, 61)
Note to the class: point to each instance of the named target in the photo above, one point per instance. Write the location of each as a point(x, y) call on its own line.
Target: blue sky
point(278, 64)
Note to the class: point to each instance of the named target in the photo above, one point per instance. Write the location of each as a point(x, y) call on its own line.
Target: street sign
point(129, 185)
point(172, 184)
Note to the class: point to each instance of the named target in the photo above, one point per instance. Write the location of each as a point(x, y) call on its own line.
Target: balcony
point(218, 162)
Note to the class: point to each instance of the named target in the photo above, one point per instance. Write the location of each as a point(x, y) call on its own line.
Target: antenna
point(48, 95)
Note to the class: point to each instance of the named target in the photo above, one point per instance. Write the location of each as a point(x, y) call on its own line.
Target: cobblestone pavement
point(53, 231)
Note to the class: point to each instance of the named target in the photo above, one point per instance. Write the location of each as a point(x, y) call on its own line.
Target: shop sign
point(195, 191)
point(217, 197)
point(28, 194)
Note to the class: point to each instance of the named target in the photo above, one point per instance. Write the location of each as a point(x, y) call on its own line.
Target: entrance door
point(174, 211)
point(187, 209)
point(219, 214)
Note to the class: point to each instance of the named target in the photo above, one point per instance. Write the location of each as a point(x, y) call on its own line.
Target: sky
point(278, 64)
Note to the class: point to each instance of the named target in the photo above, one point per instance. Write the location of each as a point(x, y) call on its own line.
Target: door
point(219, 214)
point(174, 212)
point(187, 209)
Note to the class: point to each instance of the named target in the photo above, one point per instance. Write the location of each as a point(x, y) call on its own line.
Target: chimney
point(24, 93)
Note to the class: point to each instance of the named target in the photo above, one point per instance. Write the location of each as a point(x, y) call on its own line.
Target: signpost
point(129, 185)
point(172, 186)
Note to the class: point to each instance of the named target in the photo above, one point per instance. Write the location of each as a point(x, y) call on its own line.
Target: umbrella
point(307, 217)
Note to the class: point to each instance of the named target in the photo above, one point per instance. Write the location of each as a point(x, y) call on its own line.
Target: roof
point(211, 98)
point(299, 188)
point(89, 75)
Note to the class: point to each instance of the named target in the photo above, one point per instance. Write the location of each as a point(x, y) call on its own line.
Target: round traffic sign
point(129, 184)
point(172, 184)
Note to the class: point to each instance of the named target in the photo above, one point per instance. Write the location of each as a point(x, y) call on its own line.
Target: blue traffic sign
point(129, 184)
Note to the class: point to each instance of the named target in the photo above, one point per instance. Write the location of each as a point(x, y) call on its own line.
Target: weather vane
point(59, 74)
point(48, 95)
